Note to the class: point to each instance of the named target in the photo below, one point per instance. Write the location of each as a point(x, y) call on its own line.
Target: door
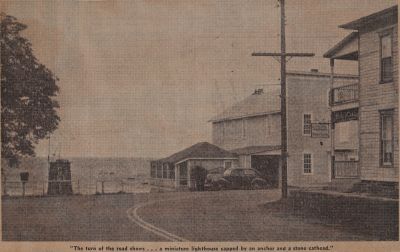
point(248, 177)
point(236, 178)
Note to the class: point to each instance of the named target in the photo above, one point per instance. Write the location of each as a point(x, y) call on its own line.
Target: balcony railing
point(346, 169)
point(344, 94)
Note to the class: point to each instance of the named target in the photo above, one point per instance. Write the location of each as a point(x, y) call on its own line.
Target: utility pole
point(282, 57)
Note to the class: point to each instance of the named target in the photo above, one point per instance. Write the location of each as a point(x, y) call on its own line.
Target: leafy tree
point(28, 91)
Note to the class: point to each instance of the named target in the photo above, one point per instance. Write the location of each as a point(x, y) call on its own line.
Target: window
point(386, 58)
point(386, 137)
point(159, 170)
point(307, 124)
point(249, 173)
point(343, 129)
point(171, 171)
point(307, 163)
point(165, 170)
point(227, 165)
point(236, 172)
point(153, 170)
point(243, 128)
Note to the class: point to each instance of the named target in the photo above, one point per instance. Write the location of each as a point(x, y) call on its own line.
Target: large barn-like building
point(251, 129)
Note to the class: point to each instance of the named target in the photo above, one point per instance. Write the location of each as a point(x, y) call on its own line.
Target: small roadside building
point(176, 171)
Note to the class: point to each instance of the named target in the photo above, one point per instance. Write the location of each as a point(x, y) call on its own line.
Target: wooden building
point(344, 102)
point(175, 171)
point(251, 129)
point(373, 43)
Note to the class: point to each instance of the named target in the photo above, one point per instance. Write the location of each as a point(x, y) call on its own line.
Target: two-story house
point(374, 100)
point(251, 129)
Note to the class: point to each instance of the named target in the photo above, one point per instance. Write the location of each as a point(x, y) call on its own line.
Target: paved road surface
point(237, 216)
point(194, 216)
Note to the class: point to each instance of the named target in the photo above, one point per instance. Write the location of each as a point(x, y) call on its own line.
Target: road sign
point(320, 130)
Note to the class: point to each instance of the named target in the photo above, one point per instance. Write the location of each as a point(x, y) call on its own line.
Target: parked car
point(240, 178)
point(213, 176)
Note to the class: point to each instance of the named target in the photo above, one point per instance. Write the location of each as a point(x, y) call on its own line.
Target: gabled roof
point(255, 149)
point(386, 14)
point(352, 36)
point(199, 150)
point(259, 103)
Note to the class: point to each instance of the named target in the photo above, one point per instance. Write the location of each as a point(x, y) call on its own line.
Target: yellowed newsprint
point(205, 126)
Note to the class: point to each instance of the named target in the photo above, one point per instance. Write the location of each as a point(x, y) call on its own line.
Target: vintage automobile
point(239, 178)
point(213, 176)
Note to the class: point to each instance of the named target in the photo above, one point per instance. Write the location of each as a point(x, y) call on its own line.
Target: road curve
point(134, 217)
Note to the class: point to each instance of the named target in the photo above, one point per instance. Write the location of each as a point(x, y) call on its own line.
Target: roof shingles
point(254, 105)
point(200, 150)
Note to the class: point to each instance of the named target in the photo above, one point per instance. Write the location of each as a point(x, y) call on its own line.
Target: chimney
point(258, 91)
point(314, 70)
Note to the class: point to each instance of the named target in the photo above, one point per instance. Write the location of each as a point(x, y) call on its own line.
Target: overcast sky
point(142, 78)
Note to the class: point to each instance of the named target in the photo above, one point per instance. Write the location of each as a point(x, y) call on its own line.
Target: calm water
point(119, 175)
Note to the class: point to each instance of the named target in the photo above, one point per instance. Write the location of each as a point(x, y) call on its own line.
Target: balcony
point(343, 95)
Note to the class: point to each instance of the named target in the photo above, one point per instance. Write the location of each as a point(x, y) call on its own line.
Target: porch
point(344, 97)
point(345, 169)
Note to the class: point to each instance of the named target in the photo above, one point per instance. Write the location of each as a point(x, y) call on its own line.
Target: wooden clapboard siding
point(307, 92)
point(373, 98)
point(250, 131)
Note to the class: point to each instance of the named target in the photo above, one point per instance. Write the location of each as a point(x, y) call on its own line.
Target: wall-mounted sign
point(320, 130)
point(345, 115)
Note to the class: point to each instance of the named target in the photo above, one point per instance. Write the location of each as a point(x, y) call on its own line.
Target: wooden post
point(283, 103)
point(331, 95)
point(5, 185)
point(177, 176)
point(23, 189)
point(282, 59)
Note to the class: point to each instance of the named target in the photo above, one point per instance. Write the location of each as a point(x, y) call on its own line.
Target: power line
point(282, 58)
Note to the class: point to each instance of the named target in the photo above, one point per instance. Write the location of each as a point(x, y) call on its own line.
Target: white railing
point(344, 94)
point(346, 169)
point(81, 186)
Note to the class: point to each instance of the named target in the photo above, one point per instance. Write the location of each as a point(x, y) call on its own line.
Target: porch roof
point(248, 150)
point(202, 150)
point(346, 49)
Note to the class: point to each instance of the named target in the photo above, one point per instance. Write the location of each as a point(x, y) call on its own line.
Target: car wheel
point(220, 187)
point(256, 185)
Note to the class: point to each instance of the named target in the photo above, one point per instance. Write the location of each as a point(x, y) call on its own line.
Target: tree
point(28, 91)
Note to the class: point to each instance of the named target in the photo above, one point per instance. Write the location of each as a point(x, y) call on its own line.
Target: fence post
point(23, 189)
point(5, 186)
point(79, 188)
point(102, 187)
point(43, 187)
point(122, 186)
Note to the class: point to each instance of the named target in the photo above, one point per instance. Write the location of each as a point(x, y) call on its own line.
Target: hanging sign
point(320, 130)
point(345, 115)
